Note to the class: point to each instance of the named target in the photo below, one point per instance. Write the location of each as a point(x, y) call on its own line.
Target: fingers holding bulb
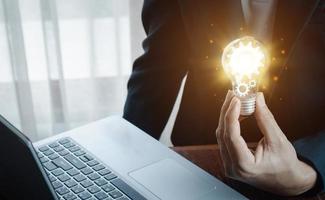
point(220, 134)
point(266, 122)
point(235, 143)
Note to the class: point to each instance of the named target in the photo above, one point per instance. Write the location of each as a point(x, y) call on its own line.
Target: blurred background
point(65, 63)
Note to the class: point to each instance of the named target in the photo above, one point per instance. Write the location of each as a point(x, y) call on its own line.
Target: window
point(65, 63)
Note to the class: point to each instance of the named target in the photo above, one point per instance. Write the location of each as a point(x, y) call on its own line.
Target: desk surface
point(208, 158)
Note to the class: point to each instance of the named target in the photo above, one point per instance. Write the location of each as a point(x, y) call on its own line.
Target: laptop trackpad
point(169, 180)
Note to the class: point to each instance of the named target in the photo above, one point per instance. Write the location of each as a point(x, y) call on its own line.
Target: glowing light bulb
point(244, 60)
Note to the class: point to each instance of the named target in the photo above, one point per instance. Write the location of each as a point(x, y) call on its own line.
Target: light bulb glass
point(244, 61)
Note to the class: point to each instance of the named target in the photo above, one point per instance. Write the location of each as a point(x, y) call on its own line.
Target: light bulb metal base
point(247, 106)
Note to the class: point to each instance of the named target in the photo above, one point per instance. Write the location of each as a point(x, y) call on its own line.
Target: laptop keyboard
point(75, 174)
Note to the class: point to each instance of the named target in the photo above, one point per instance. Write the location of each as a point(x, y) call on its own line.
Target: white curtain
point(64, 63)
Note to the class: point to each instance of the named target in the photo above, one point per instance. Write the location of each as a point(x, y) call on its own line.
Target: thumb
point(266, 121)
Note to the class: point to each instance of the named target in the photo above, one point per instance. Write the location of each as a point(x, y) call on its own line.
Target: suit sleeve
point(158, 73)
point(312, 151)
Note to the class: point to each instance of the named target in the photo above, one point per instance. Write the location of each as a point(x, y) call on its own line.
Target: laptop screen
point(21, 174)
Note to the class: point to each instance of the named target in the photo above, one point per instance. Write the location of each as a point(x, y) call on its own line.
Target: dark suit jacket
point(186, 37)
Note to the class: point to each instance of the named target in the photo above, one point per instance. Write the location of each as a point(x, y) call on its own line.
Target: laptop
point(104, 160)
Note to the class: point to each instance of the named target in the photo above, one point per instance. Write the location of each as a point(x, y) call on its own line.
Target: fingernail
point(231, 93)
point(237, 101)
point(228, 93)
point(236, 105)
point(261, 98)
point(228, 96)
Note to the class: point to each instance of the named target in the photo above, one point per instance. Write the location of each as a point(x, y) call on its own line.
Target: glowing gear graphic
point(244, 58)
point(242, 89)
point(244, 61)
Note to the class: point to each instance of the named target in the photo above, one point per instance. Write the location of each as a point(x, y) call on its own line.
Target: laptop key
point(62, 190)
point(79, 153)
point(40, 155)
point(70, 183)
point(86, 183)
point(57, 184)
point(126, 189)
point(53, 156)
point(54, 144)
point(98, 167)
point(57, 172)
point(58, 148)
point(110, 176)
point(104, 172)
point(60, 162)
point(64, 177)
point(48, 152)
point(52, 178)
point(92, 163)
point(68, 145)
point(75, 161)
point(84, 195)
point(115, 194)
point(44, 159)
point(69, 196)
point(77, 189)
point(101, 182)
point(89, 157)
point(93, 189)
point(93, 176)
point(83, 158)
point(101, 195)
point(64, 152)
point(86, 158)
point(79, 177)
point(108, 188)
point(49, 166)
point(44, 148)
point(74, 149)
point(64, 141)
point(73, 172)
point(86, 171)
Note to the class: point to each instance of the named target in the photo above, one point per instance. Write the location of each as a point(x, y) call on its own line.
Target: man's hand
point(274, 165)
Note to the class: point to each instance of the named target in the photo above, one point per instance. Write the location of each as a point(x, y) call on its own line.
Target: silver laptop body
point(147, 166)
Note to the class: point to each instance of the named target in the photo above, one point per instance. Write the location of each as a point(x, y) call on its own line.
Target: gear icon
point(242, 89)
point(252, 83)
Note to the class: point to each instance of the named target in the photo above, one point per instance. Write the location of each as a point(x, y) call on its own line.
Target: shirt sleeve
point(312, 151)
point(157, 75)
